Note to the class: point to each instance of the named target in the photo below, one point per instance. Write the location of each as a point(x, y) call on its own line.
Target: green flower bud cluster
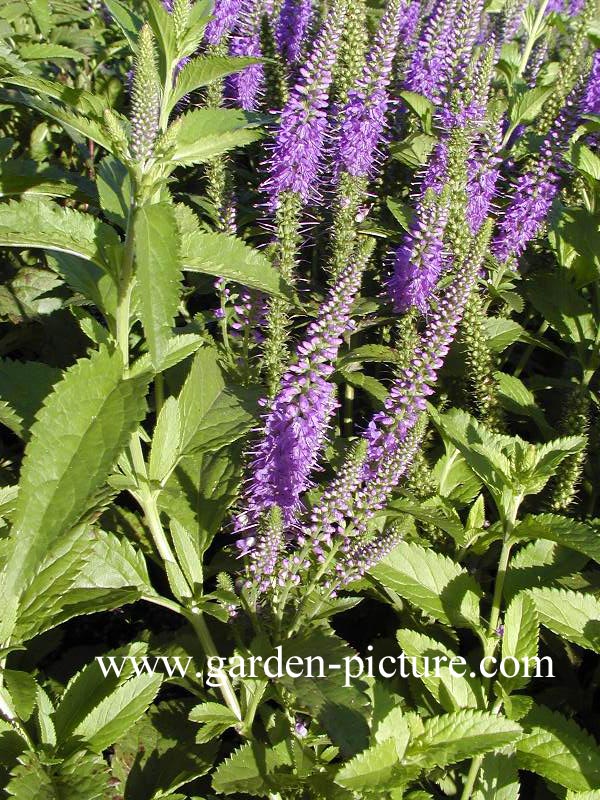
point(276, 87)
point(276, 352)
point(145, 98)
point(350, 196)
point(480, 364)
point(576, 422)
point(352, 53)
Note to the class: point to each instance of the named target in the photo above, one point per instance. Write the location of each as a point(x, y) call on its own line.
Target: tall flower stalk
point(293, 172)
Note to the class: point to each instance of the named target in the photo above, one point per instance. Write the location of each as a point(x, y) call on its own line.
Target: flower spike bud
point(117, 133)
point(352, 51)
point(145, 97)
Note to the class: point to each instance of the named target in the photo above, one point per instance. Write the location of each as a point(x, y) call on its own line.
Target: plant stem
point(125, 289)
point(533, 37)
point(210, 650)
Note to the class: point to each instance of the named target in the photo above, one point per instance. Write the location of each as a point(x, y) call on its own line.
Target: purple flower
point(363, 117)
point(484, 172)
point(298, 417)
point(510, 22)
point(468, 25)
point(244, 87)
point(428, 70)
point(420, 258)
point(296, 158)
point(291, 28)
point(225, 15)
point(590, 103)
point(393, 436)
point(536, 189)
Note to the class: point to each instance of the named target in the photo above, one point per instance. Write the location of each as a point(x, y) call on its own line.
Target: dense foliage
point(299, 349)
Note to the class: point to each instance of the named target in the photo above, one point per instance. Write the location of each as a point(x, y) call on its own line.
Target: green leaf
point(559, 750)
point(214, 718)
point(572, 615)
point(22, 689)
point(25, 177)
point(566, 531)
point(225, 256)
point(202, 71)
point(36, 222)
point(114, 715)
point(516, 398)
point(422, 107)
point(450, 690)
point(498, 778)
point(371, 770)
point(520, 638)
point(82, 776)
point(559, 302)
point(158, 275)
point(48, 51)
point(253, 769)
point(162, 747)
point(78, 99)
point(584, 159)
point(178, 348)
point(129, 22)
point(211, 414)
point(164, 452)
point(205, 133)
point(450, 738)
point(86, 421)
point(528, 106)
point(42, 14)
point(114, 189)
point(23, 387)
point(89, 687)
point(432, 582)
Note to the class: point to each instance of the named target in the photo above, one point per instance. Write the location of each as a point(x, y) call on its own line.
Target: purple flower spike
point(225, 15)
point(292, 26)
point(420, 258)
point(299, 416)
point(244, 87)
point(428, 70)
point(590, 103)
point(536, 189)
point(296, 158)
point(363, 117)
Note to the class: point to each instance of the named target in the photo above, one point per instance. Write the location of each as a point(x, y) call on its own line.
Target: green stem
point(476, 763)
point(210, 650)
point(533, 37)
point(528, 351)
point(125, 289)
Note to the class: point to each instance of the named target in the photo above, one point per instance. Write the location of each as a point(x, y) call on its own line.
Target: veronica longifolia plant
point(299, 350)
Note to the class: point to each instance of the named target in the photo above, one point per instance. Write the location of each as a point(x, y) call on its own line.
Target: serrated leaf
point(529, 105)
point(253, 769)
point(372, 769)
point(162, 747)
point(36, 222)
point(42, 14)
point(158, 275)
point(90, 686)
point(129, 22)
point(23, 387)
point(82, 776)
point(584, 159)
point(520, 637)
point(226, 256)
point(205, 133)
point(165, 441)
point(450, 738)
point(85, 421)
point(118, 712)
point(498, 778)
point(566, 531)
point(211, 414)
point(114, 189)
point(22, 688)
point(572, 615)
point(432, 582)
point(178, 348)
point(559, 750)
point(215, 720)
point(451, 691)
point(567, 311)
point(516, 398)
point(43, 51)
point(201, 71)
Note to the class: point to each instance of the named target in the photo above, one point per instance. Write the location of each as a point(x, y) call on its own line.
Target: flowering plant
point(300, 331)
